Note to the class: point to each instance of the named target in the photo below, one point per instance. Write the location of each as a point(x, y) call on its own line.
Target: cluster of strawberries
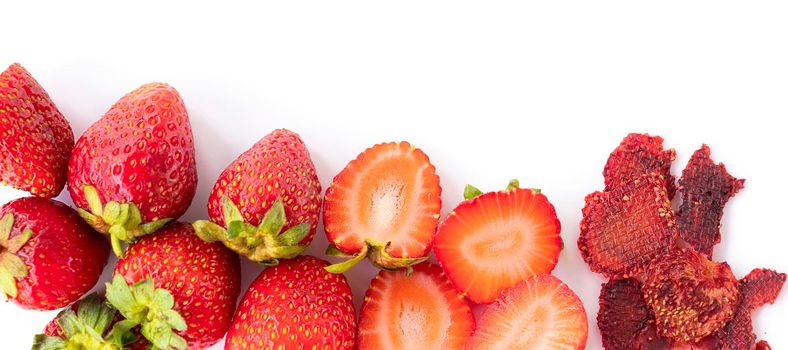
point(132, 174)
point(665, 291)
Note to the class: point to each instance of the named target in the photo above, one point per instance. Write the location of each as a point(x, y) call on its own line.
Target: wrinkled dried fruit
point(624, 229)
point(639, 154)
point(705, 187)
point(622, 313)
point(759, 287)
point(691, 296)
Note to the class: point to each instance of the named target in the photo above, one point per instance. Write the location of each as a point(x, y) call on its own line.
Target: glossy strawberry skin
point(35, 139)
point(276, 167)
point(142, 152)
point(64, 256)
point(295, 305)
point(204, 279)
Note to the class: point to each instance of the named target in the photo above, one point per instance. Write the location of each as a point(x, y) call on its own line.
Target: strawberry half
point(266, 204)
point(178, 288)
point(420, 311)
point(133, 170)
point(36, 140)
point(383, 205)
point(539, 313)
point(48, 256)
point(492, 241)
point(296, 304)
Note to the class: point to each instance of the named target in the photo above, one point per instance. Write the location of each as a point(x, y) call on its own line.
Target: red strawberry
point(539, 313)
point(420, 311)
point(48, 256)
point(384, 205)
point(270, 188)
point(90, 323)
point(492, 241)
point(295, 305)
point(197, 284)
point(35, 140)
point(133, 170)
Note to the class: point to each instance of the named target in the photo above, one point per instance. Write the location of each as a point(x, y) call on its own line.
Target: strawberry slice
point(539, 313)
point(420, 311)
point(384, 205)
point(492, 241)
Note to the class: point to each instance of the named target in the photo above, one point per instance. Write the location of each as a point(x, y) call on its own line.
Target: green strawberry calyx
point(378, 255)
point(151, 308)
point(121, 221)
point(88, 328)
point(11, 266)
point(472, 192)
point(265, 243)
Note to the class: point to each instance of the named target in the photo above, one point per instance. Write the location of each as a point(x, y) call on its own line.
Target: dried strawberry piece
point(691, 296)
point(639, 154)
point(624, 229)
point(622, 313)
point(705, 187)
point(759, 287)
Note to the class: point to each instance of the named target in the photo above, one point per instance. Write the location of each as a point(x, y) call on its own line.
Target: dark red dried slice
point(622, 314)
point(639, 154)
point(705, 187)
point(691, 296)
point(624, 229)
point(759, 287)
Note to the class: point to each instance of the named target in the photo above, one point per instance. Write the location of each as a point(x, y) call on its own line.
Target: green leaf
point(114, 241)
point(274, 219)
point(157, 333)
point(16, 243)
point(135, 217)
point(121, 332)
point(7, 284)
point(294, 235)
point(209, 231)
point(175, 320)
point(13, 264)
point(334, 251)
point(93, 199)
point(6, 224)
point(162, 299)
point(237, 228)
point(154, 225)
point(68, 322)
point(123, 215)
point(288, 252)
point(119, 295)
point(92, 220)
point(347, 264)
point(513, 184)
point(230, 211)
point(471, 192)
point(111, 212)
point(45, 342)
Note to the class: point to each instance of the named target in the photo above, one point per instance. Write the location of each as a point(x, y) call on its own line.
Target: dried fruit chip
point(691, 296)
point(759, 287)
point(622, 313)
point(624, 229)
point(705, 187)
point(639, 154)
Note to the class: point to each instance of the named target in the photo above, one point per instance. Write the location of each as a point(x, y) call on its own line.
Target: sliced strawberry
point(420, 311)
point(639, 154)
point(492, 241)
point(623, 230)
point(622, 314)
point(385, 204)
point(539, 313)
point(759, 287)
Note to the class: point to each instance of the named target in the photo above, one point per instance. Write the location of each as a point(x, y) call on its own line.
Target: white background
point(489, 90)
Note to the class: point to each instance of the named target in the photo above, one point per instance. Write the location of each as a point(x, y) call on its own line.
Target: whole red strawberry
point(35, 138)
point(134, 170)
point(295, 305)
point(178, 283)
point(49, 257)
point(270, 188)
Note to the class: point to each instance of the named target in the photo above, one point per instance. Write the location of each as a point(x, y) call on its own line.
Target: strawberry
point(134, 170)
point(90, 323)
point(538, 313)
point(178, 282)
point(295, 305)
point(35, 140)
point(492, 241)
point(48, 256)
point(420, 311)
point(384, 205)
point(270, 188)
